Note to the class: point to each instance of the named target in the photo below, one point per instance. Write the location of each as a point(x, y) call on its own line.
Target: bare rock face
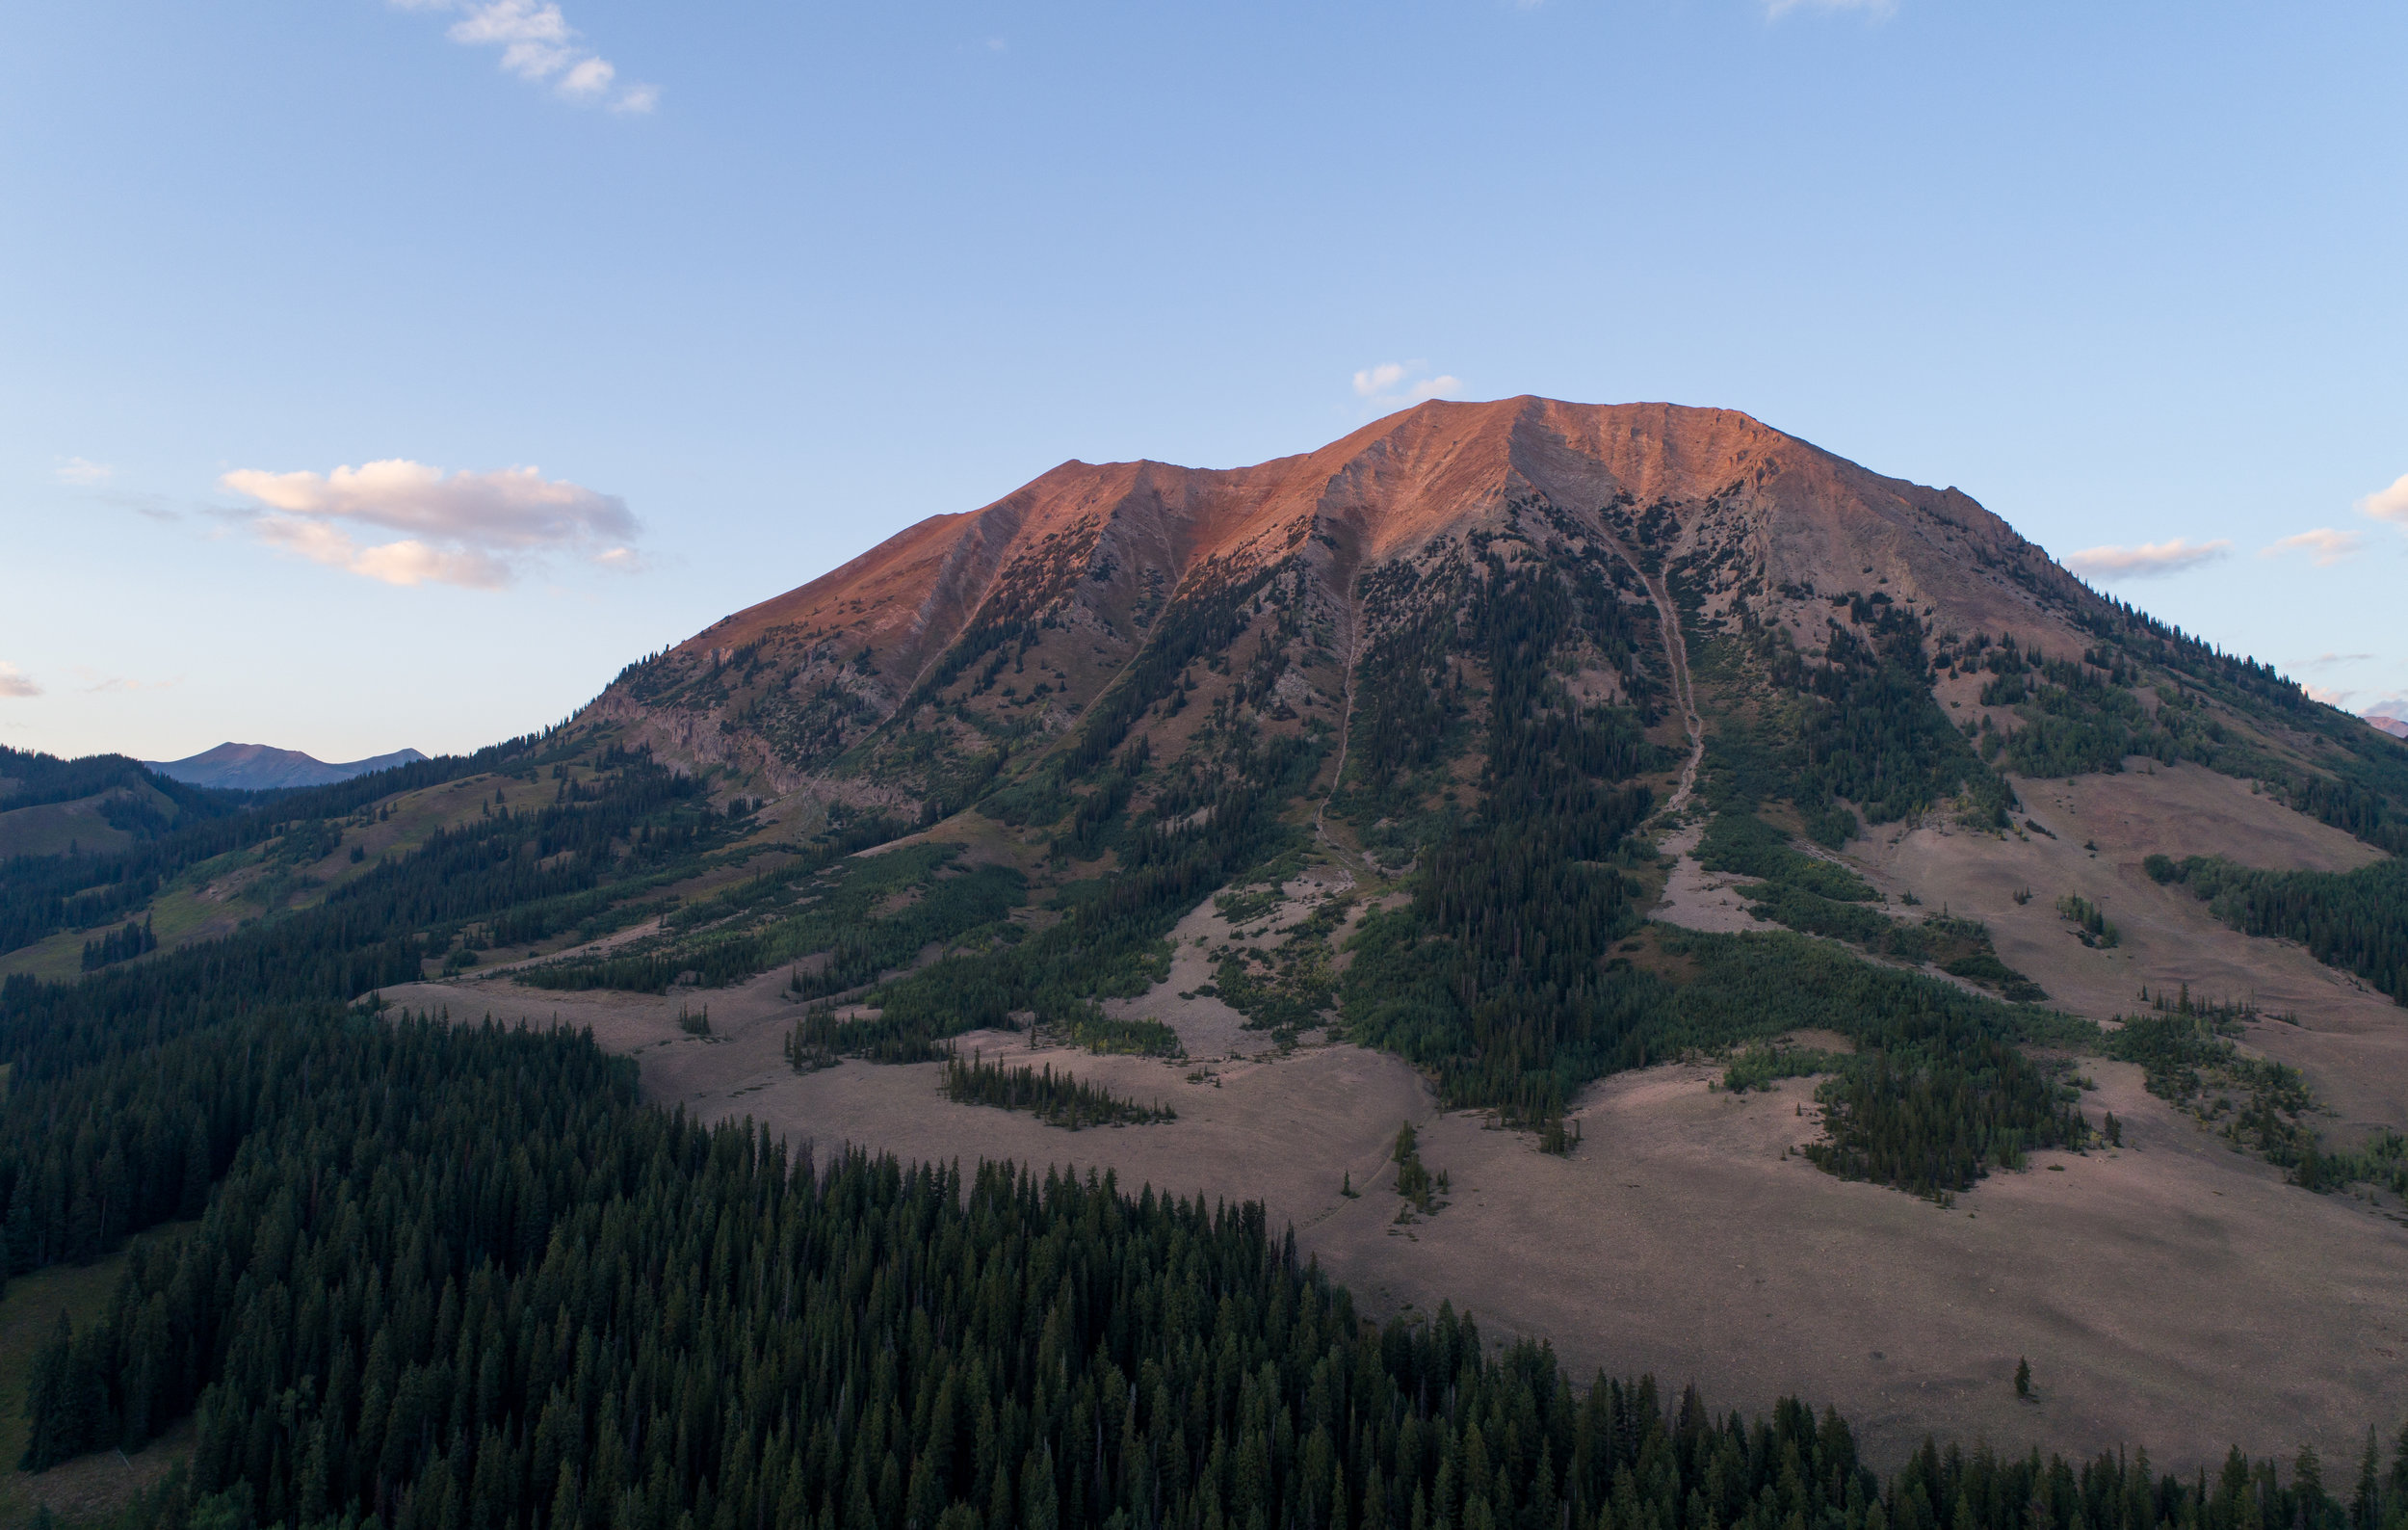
point(1002, 626)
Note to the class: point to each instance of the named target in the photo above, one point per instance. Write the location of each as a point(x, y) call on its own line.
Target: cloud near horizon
point(15, 683)
point(468, 529)
point(2330, 547)
point(1377, 385)
point(539, 46)
point(2149, 560)
point(76, 470)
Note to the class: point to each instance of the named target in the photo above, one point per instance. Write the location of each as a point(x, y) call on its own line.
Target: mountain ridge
point(1100, 548)
point(262, 767)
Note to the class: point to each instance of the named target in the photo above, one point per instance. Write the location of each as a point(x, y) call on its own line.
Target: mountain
point(259, 768)
point(1548, 669)
point(1453, 845)
point(2396, 728)
point(1071, 572)
point(910, 677)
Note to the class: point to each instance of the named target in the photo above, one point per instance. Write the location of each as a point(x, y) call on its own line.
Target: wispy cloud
point(2388, 503)
point(76, 470)
point(2149, 560)
point(2326, 694)
point(1399, 384)
point(2330, 547)
point(1775, 10)
point(15, 683)
point(538, 45)
point(467, 529)
point(2326, 661)
point(97, 683)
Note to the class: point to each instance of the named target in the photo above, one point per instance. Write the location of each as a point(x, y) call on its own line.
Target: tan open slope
point(2172, 1293)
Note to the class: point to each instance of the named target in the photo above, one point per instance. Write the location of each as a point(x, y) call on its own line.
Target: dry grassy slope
point(1087, 555)
point(52, 829)
point(2349, 1040)
point(2169, 1293)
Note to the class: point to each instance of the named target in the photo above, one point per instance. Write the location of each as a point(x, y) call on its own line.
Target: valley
point(1622, 872)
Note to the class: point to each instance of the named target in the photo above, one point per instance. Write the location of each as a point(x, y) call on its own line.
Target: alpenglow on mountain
point(1105, 603)
point(1714, 905)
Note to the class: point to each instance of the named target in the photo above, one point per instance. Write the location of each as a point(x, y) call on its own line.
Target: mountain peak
point(1079, 561)
point(261, 766)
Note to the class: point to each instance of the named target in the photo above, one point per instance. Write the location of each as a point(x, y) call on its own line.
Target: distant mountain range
point(2396, 727)
point(259, 768)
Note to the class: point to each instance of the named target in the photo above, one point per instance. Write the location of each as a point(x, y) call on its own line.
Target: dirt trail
point(1346, 729)
point(1676, 647)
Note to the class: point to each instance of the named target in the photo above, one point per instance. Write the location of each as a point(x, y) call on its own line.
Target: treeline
point(506, 875)
point(2355, 920)
point(1865, 726)
point(2085, 715)
point(1215, 814)
point(1175, 834)
point(1492, 976)
point(119, 945)
point(1055, 1099)
point(1933, 1118)
point(455, 1275)
point(835, 900)
point(42, 895)
point(376, 1154)
point(2256, 1104)
point(36, 779)
point(1938, 1093)
point(481, 1286)
point(1822, 897)
point(1409, 701)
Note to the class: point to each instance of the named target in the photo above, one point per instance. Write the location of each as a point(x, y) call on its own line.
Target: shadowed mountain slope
point(261, 767)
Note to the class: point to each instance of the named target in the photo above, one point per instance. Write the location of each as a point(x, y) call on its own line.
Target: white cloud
point(2329, 545)
point(76, 470)
point(2149, 559)
point(538, 45)
point(2388, 503)
point(15, 682)
point(466, 529)
point(2326, 695)
point(1377, 385)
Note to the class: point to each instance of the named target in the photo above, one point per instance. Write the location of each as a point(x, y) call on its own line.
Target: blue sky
point(652, 311)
